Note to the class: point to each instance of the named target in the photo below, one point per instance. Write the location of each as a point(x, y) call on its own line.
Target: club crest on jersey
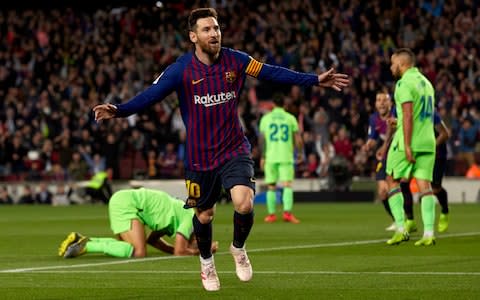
point(230, 76)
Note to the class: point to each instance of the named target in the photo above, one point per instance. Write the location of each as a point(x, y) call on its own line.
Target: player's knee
point(383, 193)
point(242, 198)
point(244, 207)
point(287, 184)
point(205, 216)
point(423, 185)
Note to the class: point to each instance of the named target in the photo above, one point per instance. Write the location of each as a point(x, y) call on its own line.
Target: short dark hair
point(278, 99)
point(408, 53)
point(200, 13)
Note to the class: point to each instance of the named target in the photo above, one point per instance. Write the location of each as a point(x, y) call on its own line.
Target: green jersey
point(415, 87)
point(278, 128)
point(156, 209)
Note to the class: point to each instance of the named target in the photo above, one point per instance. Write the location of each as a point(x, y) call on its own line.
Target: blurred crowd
point(56, 64)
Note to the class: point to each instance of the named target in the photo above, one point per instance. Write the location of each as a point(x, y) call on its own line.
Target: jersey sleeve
point(372, 132)
point(403, 92)
point(284, 75)
point(165, 84)
point(277, 74)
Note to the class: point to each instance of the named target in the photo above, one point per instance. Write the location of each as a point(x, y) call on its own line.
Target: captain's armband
point(253, 67)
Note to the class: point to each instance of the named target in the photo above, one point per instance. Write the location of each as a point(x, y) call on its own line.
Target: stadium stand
point(56, 63)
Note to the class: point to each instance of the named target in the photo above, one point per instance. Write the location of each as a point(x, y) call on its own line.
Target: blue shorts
point(204, 188)
point(439, 171)
point(381, 170)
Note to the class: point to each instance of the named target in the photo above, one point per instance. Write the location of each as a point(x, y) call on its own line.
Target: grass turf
point(337, 252)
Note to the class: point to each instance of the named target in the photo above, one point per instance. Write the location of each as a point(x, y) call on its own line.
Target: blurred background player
point(412, 151)
point(279, 139)
point(442, 135)
point(129, 212)
point(380, 131)
point(377, 139)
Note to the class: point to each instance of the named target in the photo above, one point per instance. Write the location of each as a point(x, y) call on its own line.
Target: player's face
point(207, 36)
point(395, 66)
point(383, 104)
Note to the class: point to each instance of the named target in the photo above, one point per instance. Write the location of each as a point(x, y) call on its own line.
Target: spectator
point(77, 168)
point(5, 198)
point(43, 196)
point(112, 159)
point(467, 139)
point(343, 145)
point(311, 167)
point(169, 165)
point(16, 155)
point(326, 152)
point(27, 196)
point(96, 163)
point(60, 198)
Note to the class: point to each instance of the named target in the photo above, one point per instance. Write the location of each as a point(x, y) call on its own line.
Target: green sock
point(109, 246)
point(271, 201)
point(428, 212)
point(396, 205)
point(287, 199)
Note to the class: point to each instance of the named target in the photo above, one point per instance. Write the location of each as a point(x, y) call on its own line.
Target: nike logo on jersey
point(158, 78)
point(194, 82)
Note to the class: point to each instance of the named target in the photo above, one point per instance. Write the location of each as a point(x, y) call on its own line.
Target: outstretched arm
point(161, 87)
point(329, 79)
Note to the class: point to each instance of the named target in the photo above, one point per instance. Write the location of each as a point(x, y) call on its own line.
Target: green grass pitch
point(337, 252)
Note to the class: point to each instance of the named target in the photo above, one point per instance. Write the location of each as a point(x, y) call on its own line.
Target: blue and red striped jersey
point(208, 97)
point(377, 128)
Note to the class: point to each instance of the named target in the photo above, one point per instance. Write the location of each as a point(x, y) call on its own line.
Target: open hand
point(333, 80)
point(104, 111)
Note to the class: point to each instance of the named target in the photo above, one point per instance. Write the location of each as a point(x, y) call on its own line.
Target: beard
point(212, 49)
point(396, 73)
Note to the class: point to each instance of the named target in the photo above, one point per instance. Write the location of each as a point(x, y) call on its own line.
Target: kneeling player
point(129, 212)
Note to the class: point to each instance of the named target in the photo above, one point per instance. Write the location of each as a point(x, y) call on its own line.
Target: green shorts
point(399, 167)
point(122, 211)
point(279, 172)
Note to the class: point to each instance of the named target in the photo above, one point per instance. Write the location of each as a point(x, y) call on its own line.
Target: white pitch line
point(270, 272)
point(137, 260)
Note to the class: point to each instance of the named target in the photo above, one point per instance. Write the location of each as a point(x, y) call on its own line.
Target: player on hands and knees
point(129, 212)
